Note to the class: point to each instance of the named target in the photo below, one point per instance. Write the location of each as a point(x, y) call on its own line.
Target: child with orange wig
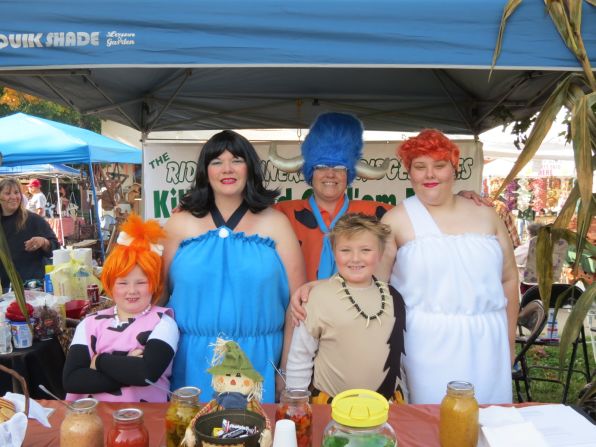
point(115, 350)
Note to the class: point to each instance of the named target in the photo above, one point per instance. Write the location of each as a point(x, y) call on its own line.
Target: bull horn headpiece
point(334, 139)
point(285, 164)
point(364, 170)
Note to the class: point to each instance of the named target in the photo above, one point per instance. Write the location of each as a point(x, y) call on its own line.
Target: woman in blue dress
point(231, 262)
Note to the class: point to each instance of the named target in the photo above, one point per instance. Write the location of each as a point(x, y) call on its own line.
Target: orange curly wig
point(432, 143)
point(123, 258)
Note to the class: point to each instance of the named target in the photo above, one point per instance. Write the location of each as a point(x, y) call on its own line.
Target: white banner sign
point(169, 169)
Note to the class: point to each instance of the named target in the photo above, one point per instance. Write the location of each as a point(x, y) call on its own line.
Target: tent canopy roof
point(187, 64)
point(26, 140)
point(48, 170)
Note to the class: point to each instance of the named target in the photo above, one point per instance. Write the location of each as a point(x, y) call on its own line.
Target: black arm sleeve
point(134, 370)
point(78, 377)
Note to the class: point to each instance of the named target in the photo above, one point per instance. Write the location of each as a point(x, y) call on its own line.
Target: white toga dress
point(456, 321)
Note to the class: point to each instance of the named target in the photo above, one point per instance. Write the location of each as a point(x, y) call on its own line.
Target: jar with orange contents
point(293, 405)
point(128, 429)
point(458, 424)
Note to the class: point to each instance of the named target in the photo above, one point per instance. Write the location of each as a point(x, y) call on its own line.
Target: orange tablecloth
point(415, 425)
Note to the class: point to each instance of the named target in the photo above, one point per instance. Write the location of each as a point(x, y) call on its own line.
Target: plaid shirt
point(507, 219)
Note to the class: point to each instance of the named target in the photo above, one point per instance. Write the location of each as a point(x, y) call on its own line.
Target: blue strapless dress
point(232, 285)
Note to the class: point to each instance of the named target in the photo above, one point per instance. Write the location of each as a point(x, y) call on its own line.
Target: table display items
point(13, 414)
point(82, 426)
point(73, 273)
point(48, 287)
point(184, 405)
point(93, 293)
point(293, 405)
point(241, 428)
point(458, 423)
point(5, 338)
point(128, 429)
point(22, 337)
point(47, 323)
point(285, 434)
point(238, 387)
point(359, 419)
point(7, 410)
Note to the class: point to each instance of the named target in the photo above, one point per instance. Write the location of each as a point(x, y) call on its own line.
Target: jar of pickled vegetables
point(293, 405)
point(128, 429)
point(458, 424)
point(184, 405)
point(82, 426)
point(359, 418)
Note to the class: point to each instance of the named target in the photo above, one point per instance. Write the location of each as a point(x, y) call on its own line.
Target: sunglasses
point(338, 168)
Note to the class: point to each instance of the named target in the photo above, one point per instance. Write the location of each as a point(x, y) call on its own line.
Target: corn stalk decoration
point(576, 92)
point(15, 278)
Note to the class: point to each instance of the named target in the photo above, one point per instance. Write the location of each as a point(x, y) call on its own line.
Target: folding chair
point(572, 294)
point(530, 323)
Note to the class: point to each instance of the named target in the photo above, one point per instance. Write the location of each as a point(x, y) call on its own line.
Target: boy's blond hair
point(352, 224)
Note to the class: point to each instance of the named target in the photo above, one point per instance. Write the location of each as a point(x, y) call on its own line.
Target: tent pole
point(59, 204)
point(95, 207)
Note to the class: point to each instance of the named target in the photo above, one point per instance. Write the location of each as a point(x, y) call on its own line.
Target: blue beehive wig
point(334, 139)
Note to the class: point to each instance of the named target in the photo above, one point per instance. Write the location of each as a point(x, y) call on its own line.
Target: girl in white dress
point(453, 263)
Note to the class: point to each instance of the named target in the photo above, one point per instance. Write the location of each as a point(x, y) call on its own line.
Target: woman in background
point(30, 238)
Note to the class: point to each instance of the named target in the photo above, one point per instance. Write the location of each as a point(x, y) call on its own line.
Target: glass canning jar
point(82, 426)
point(359, 418)
point(184, 405)
point(128, 429)
point(293, 405)
point(458, 424)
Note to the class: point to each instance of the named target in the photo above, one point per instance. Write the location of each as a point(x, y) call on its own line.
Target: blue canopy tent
point(43, 170)
point(211, 64)
point(26, 139)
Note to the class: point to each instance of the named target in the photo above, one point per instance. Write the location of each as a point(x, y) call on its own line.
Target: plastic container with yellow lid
point(359, 419)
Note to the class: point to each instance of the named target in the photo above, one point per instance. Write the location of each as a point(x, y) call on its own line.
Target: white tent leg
point(59, 204)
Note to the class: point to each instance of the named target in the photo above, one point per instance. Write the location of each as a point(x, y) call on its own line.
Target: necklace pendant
point(359, 310)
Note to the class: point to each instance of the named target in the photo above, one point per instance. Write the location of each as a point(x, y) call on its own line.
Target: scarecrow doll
point(237, 385)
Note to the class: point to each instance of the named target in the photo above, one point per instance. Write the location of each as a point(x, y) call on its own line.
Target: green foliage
point(576, 92)
point(46, 109)
point(13, 275)
point(549, 392)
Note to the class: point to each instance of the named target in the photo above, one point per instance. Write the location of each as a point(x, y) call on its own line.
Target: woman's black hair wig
point(199, 199)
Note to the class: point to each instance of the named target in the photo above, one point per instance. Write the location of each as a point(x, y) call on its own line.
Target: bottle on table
point(48, 287)
point(5, 336)
point(458, 423)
